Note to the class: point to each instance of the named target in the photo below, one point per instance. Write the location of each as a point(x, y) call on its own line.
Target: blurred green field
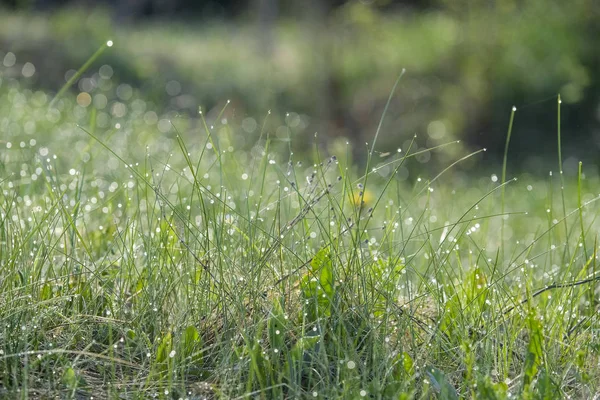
point(465, 71)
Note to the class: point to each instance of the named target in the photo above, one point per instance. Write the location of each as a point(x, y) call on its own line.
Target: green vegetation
point(198, 256)
point(467, 64)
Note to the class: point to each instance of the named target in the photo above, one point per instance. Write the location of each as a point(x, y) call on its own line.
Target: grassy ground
point(196, 258)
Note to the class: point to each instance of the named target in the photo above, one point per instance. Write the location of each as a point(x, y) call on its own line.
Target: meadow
point(148, 255)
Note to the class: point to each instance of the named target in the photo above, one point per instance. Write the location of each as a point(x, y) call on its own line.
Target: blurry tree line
point(468, 62)
point(206, 8)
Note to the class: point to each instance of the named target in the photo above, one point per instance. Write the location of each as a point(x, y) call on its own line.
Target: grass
point(170, 257)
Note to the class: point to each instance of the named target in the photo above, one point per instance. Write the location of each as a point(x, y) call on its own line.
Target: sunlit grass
point(147, 255)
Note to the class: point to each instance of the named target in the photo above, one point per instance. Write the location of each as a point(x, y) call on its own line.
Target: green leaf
point(46, 292)
point(304, 344)
point(141, 282)
point(490, 390)
point(277, 326)
point(476, 288)
point(323, 264)
point(69, 378)
point(189, 341)
point(22, 279)
point(535, 350)
point(317, 286)
point(547, 389)
point(164, 348)
point(258, 366)
point(440, 384)
point(403, 366)
point(407, 363)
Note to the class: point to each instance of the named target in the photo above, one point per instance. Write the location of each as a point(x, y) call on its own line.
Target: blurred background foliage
point(328, 67)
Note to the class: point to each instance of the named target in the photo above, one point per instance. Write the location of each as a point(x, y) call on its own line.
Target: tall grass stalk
point(504, 163)
point(560, 173)
point(81, 71)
